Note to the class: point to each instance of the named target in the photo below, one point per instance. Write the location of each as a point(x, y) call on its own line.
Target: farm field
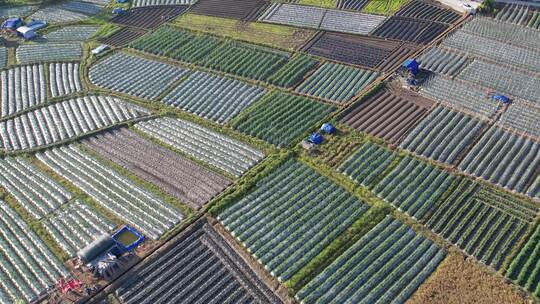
point(428, 11)
point(122, 37)
point(22, 87)
point(383, 7)
point(30, 53)
point(71, 33)
point(68, 11)
point(149, 17)
point(139, 3)
point(442, 61)
point(244, 10)
point(521, 116)
point(409, 29)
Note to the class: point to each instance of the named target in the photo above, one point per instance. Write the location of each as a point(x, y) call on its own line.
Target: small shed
point(12, 23)
point(26, 32)
point(411, 65)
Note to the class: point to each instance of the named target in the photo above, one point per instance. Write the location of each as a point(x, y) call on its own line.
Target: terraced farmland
point(35, 191)
point(149, 17)
point(112, 191)
point(503, 158)
point(76, 226)
point(29, 268)
point(294, 113)
point(388, 264)
point(409, 29)
point(46, 52)
point(414, 187)
point(290, 217)
point(443, 135)
point(173, 173)
point(218, 150)
point(65, 120)
point(337, 82)
point(198, 264)
point(443, 61)
point(522, 117)
point(386, 114)
point(484, 222)
point(367, 164)
point(213, 97)
point(135, 75)
point(428, 11)
point(22, 87)
point(72, 33)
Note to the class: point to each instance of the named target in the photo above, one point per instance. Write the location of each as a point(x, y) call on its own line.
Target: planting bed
point(29, 268)
point(443, 61)
point(139, 3)
point(280, 118)
point(337, 82)
point(427, 11)
point(199, 264)
point(122, 37)
point(112, 191)
point(71, 33)
point(134, 75)
point(387, 265)
point(507, 32)
point(171, 172)
point(524, 268)
point(387, 114)
point(246, 10)
point(504, 158)
point(29, 53)
point(290, 217)
point(213, 97)
point(67, 11)
point(149, 17)
point(485, 223)
point(294, 71)
point(3, 57)
point(515, 13)
point(36, 192)
point(21, 10)
point(367, 164)
point(22, 87)
point(355, 5)
point(460, 96)
point(443, 135)
point(414, 187)
point(383, 7)
point(65, 120)
point(523, 118)
point(220, 151)
point(64, 78)
point(76, 226)
point(410, 29)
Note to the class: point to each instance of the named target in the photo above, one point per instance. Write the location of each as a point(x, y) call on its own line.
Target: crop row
point(199, 265)
point(65, 120)
point(387, 265)
point(122, 37)
point(367, 164)
point(113, 191)
point(476, 223)
point(178, 176)
point(354, 5)
point(139, 3)
point(428, 11)
point(443, 135)
point(223, 152)
point(280, 118)
point(72, 33)
point(504, 158)
point(19, 10)
point(28, 269)
point(133, 75)
point(522, 117)
point(291, 216)
point(243, 10)
point(505, 32)
point(213, 97)
point(30, 53)
point(443, 61)
point(414, 186)
point(76, 226)
point(525, 266)
point(36, 192)
point(64, 78)
point(22, 87)
point(149, 17)
point(514, 13)
point(3, 57)
point(534, 22)
point(410, 29)
point(293, 71)
point(337, 82)
point(69, 11)
point(459, 95)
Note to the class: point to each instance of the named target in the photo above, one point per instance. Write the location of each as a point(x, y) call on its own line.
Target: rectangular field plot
point(76, 226)
point(64, 78)
point(497, 51)
point(29, 53)
point(386, 114)
point(337, 82)
point(427, 11)
point(507, 32)
point(246, 10)
point(410, 29)
point(291, 216)
point(485, 223)
point(3, 57)
point(29, 268)
point(22, 87)
point(213, 97)
point(443, 135)
point(174, 174)
point(65, 120)
point(443, 61)
point(218, 150)
point(139, 3)
point(11, 11)
point(149, 17)
point(523, 118)
point(515, 13)
point(367, 164)
point(134, 75)
point(355, 5)
point(294, 71)
point(280, 118)
point(198, 264)
point(72, 33)
point(35, 191)
point(460, 96)
point(503, 158)
point(70, 11)
point(122, 37)
point(414, 187)
point(525, 266)
point(387, 265)
point(114, 192)
point(509, 81)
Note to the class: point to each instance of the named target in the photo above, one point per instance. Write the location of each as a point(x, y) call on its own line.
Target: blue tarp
point(316, 138)
point(12, 23)
point(411, 65)
point(128, 247)
point(328, 128)
point(501, 98)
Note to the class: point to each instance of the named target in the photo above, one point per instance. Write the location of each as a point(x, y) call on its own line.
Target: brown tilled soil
point(461, 281)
